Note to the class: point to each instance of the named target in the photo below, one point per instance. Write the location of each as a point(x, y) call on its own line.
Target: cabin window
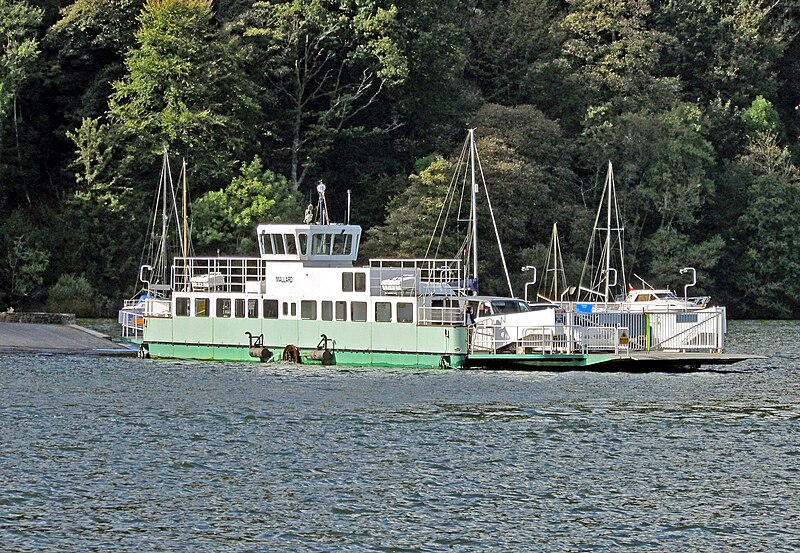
point(252, 309)
point(341, 244)
point(327, 310)
point(341, 310)
point(383, 312)
point(182, 307)
point(201, 307)
point(266, 243)
point(291, 244)
point(347, 282)
point(279, 249)
point(644, 297)
point(405, 312)
point(293, 309)
point(285, 309)
point(358, 311)
point(303, 238)
point(308, 310)
point(321, 244)
point(239, 305)
point(361, 282)
point(223, 307)
point(270, 309)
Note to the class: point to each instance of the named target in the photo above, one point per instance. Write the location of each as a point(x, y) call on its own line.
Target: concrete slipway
point(56, 338)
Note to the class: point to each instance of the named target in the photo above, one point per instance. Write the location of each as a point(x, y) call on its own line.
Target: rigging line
point(456, 174)
point(441, 212)
point(494, 223)
point(148, 251)
point(449, 199)
point(590, 251)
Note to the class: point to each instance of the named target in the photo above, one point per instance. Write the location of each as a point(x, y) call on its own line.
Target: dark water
point(100, 454)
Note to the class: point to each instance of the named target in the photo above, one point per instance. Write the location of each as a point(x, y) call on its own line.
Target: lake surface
point(107, 454)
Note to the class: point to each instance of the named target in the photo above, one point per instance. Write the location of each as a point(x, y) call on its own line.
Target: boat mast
point(474, 210)
point(609, 192)
point(164, 218)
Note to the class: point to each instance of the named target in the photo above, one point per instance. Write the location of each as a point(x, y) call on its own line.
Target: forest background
point(694, 101)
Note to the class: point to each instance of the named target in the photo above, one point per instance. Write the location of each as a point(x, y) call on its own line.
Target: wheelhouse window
point(201, 307)
point(181, 307)
point(266, 243)
point(321, 244)
point(239, 304)
point(252, 309)
point(291, 244)
point(308, 310)
point(405, 312)
point(270, 309)
point(358, 311)
point(303, 239)
point(383, 312)
point(327, 310)
point(223, 307)
point(342, 244)
point(278, 240)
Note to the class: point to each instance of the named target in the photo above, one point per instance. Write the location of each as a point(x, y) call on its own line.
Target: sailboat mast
point(609, 191)
point(474, 205)
point(164, 219)
point(556, 254)
point(185, 230)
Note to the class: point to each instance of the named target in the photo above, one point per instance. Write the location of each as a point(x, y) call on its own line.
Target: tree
point(20, 50)
point(613, 54)
point(225, 220)
point(411, 216)
point(181, 77)
point(765, 245)
point(662, 163)
point(325, 63)
point(725, 49)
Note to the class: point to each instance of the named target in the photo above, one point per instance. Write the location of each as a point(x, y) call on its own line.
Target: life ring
point(291, 353)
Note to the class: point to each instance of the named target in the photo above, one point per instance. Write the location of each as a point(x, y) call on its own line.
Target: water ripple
point(127, 454)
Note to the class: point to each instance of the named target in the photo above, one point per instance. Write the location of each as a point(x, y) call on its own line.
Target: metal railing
point(700, 331)
point(440, 316)
point(221, 274)
point(131, 320)
point(554, 339)
point(417, 277)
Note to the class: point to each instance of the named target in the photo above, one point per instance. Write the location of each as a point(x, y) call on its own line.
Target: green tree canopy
point(322, 63)
point(182, 78)
point(226, 220)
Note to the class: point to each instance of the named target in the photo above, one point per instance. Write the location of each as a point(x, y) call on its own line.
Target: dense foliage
point(694, 101)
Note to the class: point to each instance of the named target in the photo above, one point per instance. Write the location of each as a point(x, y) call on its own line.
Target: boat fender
point(260, 352)
point(291, 353)
point(324, 355)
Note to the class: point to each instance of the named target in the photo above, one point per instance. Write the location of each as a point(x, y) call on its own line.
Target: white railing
point(222, 274)
point(131, 321)
point(555, 339)
point(440, 316)
point(701, 331)
point(417, 277)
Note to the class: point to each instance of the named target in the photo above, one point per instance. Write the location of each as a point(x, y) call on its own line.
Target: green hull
point(351, 344)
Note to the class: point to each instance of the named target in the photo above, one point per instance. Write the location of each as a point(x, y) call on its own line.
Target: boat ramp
point(54, 333)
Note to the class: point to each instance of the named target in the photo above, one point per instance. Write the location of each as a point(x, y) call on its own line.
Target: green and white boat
point(305, 299)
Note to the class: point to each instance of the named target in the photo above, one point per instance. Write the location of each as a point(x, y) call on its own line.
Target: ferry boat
point(304, 299)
